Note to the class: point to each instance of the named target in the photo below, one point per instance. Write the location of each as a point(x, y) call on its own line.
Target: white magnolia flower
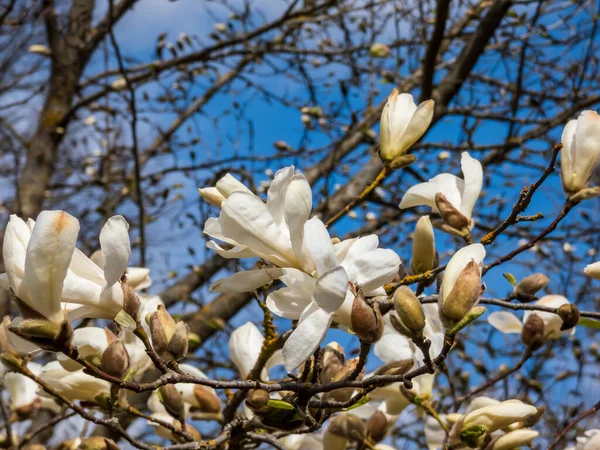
point(317, 302)
point(245, 345)
point(310, 441)
point(589, 441)
point(593, 270)
point(461, 194)
point(36, 254)
point(273, 231)
point(498, 416)
point(435, 436)
point(74, 385)
point(581, 151)
point(402, 124)
point(508, 323)
point(37, 258)
point(515, 439)
point(90, 343)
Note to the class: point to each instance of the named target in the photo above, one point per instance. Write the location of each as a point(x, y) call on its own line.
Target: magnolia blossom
point(273, 231)
point(245, 345)
point(593, 270)
point(402, 124)
point(589, 441)
point(461, 284)
point(498, 416)
point(50, 275)
point(302, 442)
point(74, 385)
point(449, 195)
point(314, 302)
point(581, 151)
point(507, 322)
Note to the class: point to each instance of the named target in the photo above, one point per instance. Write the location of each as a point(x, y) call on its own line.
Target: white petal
point(276, 193)
point(229, 184)
point(341, 248)
point(423, 246)
point(138, 278)
point(375, 268)
point(424, 193)
point(593, 270)
point(473, 174)
point(481, 402)
point(418, 125)
point(305, 339)
point(21, 389)
point(244, 347)
point(247, 281)
point(48, 257)
point(457, 263)
point(237, 252)
point(90, 341)
point(86, 268)
point(331, 289)
point(552, 322)
point(212, 196)
point(318, 243)
point(505, 322)
point(297, 208)
point(393, 347)
point(516, 439)
point(245, 219)
point(116, 250)
point(16, 239)
point(567, 153)
point(4, 283)
point(587, 146)
point(435, 436)
point(288, 302)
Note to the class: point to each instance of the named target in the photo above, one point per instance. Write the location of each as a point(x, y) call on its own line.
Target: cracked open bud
point(97, 443)
point(169, 339)
point(366, 320)
point(461, 286)
point(332, 362)
point(528, 286)
point(424, 256)
point(569, 313)
point(115, 359)
point(409, 319)
point(44, 333)
point(377, 426)
point(513, 439)
point(343, 394)
point(348, 426)
point(171, 399)
point(402, 124)
point(450, 215)
point(476, 425)
point(532, 334)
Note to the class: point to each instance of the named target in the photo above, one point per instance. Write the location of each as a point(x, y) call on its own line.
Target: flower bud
point(367, 321)
point(580, 154)
point(258, 399)
point(410, 319)
point(402, 124)
point(464, 294)
point(333, 361)
point(593, 270)
point(208, 400)
point(535, 418)
point(44, 333)
point(115, 359)
point(531, 284)
point(212, 196)
point(423, 248)
point(98, 443)
point(569, 313)
point(131, 302)
point(170, 340)
point(343, 394)
point(498, 416)
point(379, 50)
point(377, 426)
point(348, 426)
point(450, 215)
point(172, 401)
point(532, 334)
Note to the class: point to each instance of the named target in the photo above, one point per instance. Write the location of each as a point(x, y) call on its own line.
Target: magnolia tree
point(322, 398)
point(405, 272)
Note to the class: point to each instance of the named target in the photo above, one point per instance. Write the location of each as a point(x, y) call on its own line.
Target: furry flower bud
point(377, 426)
point(172, 401)
point(348, 426)
point(44, 333)
point(410, 319)
point(450, 215)
point(464, 294)
point(532, 334)
point(569, 313)
point(169, 339)
point(115, 359)
point(531, 284)
point(366, 320)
